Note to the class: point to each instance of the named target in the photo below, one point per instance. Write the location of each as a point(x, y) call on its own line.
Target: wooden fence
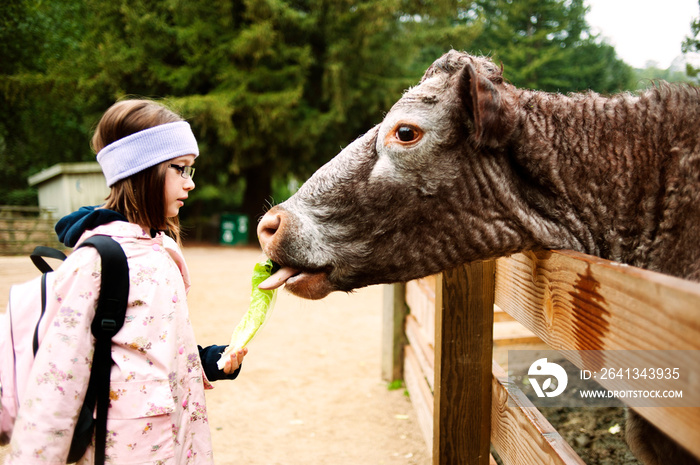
point(439, 338)
point(23, 228)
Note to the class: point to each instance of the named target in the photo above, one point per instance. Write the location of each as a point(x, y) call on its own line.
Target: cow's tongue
point(276, 280)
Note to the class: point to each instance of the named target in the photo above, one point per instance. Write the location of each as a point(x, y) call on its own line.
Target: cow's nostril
point(268, 226)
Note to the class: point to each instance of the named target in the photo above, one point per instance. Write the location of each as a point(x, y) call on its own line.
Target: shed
point(65, 187)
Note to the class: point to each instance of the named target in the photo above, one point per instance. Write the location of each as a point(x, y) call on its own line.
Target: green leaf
point(259, 311)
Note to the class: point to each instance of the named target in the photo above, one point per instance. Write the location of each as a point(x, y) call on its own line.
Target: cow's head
point(427, 189)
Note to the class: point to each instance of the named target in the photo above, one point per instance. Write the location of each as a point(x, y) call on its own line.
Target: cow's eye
point(408, 134)
point(403, 133)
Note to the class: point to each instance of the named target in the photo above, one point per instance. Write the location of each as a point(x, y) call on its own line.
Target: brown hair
point(141, 196)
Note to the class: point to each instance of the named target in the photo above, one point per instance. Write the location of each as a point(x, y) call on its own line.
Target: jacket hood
point(71, 227)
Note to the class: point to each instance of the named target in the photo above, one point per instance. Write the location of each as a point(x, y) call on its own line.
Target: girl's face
point(178, 183)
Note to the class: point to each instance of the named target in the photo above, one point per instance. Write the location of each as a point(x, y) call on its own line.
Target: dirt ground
point(310, 391)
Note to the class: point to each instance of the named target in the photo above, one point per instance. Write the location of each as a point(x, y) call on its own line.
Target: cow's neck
point(598, 167)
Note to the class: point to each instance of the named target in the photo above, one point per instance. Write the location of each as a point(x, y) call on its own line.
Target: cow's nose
point(268, 226)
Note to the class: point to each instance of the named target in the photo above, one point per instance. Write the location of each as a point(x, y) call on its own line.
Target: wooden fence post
point(393, 335)
point(463, 358)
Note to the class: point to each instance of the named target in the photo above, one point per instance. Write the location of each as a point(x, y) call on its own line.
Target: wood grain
point(520, 433)
point(393, 339)
point(463, 348)
point(579, 302)
point(420, 394)
point(424, 352)
point(420, 298)
point(576, 302)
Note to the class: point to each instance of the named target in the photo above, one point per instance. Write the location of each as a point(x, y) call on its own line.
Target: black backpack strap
point(114, 287)
point(40, 252)
point(37, 257)
point(35, 341)
point(109, 318)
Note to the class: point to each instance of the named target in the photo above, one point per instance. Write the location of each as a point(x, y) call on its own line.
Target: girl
point(157, 412)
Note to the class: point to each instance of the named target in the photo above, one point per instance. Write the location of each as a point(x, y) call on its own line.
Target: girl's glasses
point(187, 172)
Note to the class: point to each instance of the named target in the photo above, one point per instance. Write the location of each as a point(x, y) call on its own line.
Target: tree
point(35, 118)
point(547, 45)
point(295, 80)
point(272, 87)
point(692, 44)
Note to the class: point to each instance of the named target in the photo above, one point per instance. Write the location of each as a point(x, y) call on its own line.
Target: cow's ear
point(483, 103)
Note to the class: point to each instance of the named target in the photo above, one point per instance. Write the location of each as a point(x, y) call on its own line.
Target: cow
point(465, 166)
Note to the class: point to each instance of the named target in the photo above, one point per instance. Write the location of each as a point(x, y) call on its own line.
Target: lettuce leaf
point(259, 310)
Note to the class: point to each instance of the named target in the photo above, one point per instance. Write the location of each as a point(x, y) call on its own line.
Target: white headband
point(146, 148)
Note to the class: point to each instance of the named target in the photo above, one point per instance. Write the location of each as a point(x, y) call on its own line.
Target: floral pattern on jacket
point(157, 412)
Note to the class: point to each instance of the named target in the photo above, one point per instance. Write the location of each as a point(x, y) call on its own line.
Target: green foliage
point(692, 44)
point(36, 124)
point(395, 385)
point(27, 196)
point(273, 88)
point(645, 78)
point(547, 45)
point(398, 384)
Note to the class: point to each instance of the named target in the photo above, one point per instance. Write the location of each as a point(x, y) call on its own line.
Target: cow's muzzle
point(277, 237)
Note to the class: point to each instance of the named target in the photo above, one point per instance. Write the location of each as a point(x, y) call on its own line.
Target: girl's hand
point(235, 360)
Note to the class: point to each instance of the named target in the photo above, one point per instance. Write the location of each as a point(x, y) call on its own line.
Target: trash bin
point(233, 229)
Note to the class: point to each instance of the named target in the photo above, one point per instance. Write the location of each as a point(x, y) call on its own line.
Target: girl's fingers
point(231, 365)
point(235, 360)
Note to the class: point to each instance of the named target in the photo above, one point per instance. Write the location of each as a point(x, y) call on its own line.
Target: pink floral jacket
point(157, 413)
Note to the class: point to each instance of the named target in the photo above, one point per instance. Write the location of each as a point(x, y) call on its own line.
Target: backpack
point(25, 323)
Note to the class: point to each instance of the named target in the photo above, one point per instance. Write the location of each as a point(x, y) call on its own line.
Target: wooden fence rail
point(572, 302)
